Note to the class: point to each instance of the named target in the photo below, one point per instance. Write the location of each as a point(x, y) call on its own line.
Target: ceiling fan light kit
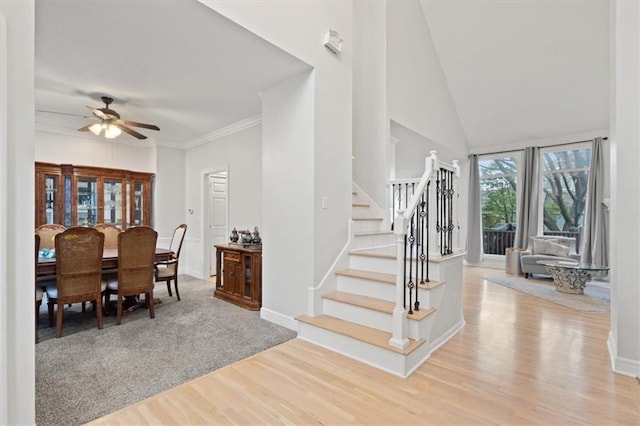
point(111, 123)
point(111, 131)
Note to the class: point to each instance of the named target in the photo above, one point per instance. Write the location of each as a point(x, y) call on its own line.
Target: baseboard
point(193, 272)
point(278, 318)
point(621, 365)
point(444, 338)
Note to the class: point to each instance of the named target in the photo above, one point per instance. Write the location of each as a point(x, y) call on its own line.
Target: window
point(498, 179)
point(565, 174)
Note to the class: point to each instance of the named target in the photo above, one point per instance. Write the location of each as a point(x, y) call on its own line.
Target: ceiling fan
point(111, 123)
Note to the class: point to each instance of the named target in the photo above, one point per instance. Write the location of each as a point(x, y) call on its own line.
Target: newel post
point(399, 333)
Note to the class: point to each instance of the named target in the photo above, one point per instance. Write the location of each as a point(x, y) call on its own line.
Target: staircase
point(352, 311)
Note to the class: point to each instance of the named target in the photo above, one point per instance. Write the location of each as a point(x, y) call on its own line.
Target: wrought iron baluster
point(438, 230)
point(427, 229)
point(451, 226)
point(404, 270)
point(411, 284)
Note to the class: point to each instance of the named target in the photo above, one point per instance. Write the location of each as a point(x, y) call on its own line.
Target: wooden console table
point(239, 275)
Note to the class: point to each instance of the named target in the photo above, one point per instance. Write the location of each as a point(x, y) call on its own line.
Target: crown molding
point(225, 131)
point(210, 137)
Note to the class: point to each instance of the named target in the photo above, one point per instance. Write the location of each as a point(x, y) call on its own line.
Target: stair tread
point(379, 219)
point(359, 204)
point(362, 333)
point(372, 253)
point(421, 314)
point(362, 234)
point(434, 258)
point(431, 284)
point(368, 275)
point(374, 304)
point(362, 301)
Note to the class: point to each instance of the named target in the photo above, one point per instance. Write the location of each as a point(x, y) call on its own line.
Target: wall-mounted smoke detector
point(332, 41)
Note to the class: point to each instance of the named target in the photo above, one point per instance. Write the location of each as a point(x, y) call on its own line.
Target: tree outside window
point(498, 201)
point(565, 183)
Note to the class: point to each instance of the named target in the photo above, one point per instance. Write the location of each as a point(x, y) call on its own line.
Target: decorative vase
point(234, 235)
point(256, 236)
point(245, 237)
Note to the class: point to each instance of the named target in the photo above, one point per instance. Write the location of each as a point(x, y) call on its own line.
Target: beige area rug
point(595, 300)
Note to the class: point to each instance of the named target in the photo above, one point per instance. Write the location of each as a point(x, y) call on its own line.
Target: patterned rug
point(595, 300)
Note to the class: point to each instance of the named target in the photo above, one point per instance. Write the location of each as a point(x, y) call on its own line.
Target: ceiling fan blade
point(85, 128)
point(130, 131)
point(98, 113)
point(63, 113)
point(136, 124)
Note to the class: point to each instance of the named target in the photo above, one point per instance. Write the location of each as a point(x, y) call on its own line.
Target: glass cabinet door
point(52, 198)
point(87, 201)
point(138, 203)
point(113, 202)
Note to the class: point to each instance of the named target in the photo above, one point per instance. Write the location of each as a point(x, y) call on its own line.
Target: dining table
point(47, 267)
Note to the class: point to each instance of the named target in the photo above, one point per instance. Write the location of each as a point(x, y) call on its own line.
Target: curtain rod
point(546, 146)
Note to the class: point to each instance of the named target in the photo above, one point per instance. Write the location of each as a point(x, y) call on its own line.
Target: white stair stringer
point(351, 311)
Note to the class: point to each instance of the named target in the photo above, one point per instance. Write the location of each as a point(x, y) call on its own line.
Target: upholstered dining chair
point(47, 233)
point(39, 292)
point(78, 272)
point(168, 270)
point(136, 252)
point(111, 233)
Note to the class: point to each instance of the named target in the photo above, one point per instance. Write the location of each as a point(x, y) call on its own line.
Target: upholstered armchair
point(547, 247)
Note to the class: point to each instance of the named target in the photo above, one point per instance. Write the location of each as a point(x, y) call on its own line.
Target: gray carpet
point(88, 373)
point(595, 300)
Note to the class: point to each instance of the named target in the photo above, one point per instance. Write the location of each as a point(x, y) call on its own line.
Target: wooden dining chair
point(78, 272)
point(136, 253)
point(168, 270)
point(111, 233)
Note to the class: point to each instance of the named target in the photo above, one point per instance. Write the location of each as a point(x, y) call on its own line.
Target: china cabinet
point(239, 275)
point(84, 196)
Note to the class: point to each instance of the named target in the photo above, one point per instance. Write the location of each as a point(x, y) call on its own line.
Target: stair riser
point(380, 358)
point(357, 314)
point(365, 287)
point(378, 290)
point(421, 329)
point(364, 241)
point(387, 266)
point(366, 225)
point(357, 211)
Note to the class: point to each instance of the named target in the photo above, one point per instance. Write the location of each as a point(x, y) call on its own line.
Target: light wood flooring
point(519, 360)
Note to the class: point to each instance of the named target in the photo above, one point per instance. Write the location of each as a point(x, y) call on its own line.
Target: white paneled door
point(218, 209)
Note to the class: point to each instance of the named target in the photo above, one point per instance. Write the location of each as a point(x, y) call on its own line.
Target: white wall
point(412, 149)
point(288, 193)
point(297, 28)
point(17, 370)
point(242, 153)
point(139, 156)
point(169, 196)
point(370, 122)
point(624, 339)
point(419, 97)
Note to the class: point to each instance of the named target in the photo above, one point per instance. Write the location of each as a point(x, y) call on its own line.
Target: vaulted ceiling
point(524, 70)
